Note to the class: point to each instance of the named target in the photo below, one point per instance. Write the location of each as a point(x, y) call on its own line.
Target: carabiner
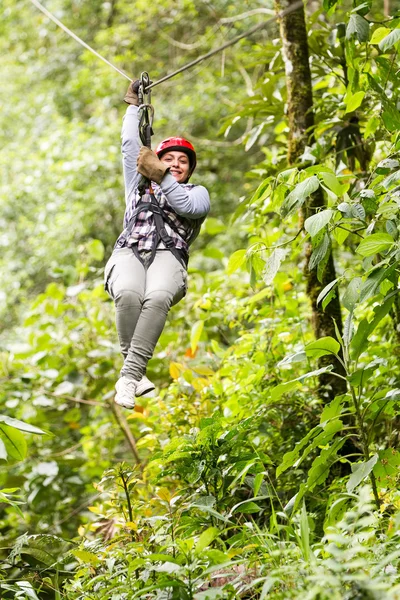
point(144, 95)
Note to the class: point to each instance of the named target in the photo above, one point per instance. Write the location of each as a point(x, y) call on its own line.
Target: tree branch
point(249, 13)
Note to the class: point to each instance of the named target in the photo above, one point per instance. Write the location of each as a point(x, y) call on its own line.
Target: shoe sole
point(123, 405)
point(146, 390)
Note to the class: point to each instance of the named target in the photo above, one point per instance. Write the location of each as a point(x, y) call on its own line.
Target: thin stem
point(123, 425)
point(128, 499)
point(365, 445)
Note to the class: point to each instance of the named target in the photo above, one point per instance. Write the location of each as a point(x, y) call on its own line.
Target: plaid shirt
point(141, 229)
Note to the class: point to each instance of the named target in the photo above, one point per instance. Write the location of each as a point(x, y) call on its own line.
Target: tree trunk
point(301, 123)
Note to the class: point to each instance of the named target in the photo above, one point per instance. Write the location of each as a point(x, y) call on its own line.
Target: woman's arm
point(192, 204)
point(130, 150)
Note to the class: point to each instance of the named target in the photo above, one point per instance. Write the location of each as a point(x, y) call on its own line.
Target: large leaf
point(14, 442)
point(320, 252)
point(371, 285)
point(390, 40)
point(195, 335)
point(272, 265)
point(299, 195)
point(352, 293)
point(316, 222)
point(353, 101)
point(236, 260)
point(322, 347)
point(379, 34)
point(326, 290)
point(387, 468)
point(359, 472)
point(358, 27)
point(206, 538)
point(283, 388)
point(365, 328)
point(377, 242)
point(321, 465)
point(21, 425)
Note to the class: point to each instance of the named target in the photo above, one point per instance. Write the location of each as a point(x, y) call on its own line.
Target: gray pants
point(143, 296)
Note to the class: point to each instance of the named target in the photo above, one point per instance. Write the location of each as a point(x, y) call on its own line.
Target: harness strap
point(162, 235)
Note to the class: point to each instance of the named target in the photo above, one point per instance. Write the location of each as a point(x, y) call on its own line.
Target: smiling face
point(178, 163)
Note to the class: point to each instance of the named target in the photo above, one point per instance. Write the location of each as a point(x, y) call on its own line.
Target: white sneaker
point(145, 386)
point(126, 391)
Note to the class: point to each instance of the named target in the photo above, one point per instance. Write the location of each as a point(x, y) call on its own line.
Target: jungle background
point(267, 464)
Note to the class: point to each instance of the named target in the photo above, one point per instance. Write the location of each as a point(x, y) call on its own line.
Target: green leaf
point(359, 472)
point(21, 425)
point(320, 252)
point(272, 265)
point(348, 329)
point(236, 260)
point(290, 457)
point(321, 465)
point(333, 183)
point(354, 101)
point(196, 471)
point(377, 242)
point(365, 328)
point(386, 165)
point(86, 557)
point(299, 194)
point(370, 287)
point(283, 388)
point(258, 480)
point(392, 229)
point(14, 442)
point(195, 335)
point(379, 34)
point(358, 27)
point(326, 289)
point(330, 429)
point(322, 347)
point(206, 538)
point(390, 40)
point(352, 293)
point(333, 409)
point(316, 222)
point(387, 468)
point(248, 508)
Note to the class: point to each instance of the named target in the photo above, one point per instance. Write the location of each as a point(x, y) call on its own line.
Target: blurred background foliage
point(237, 480)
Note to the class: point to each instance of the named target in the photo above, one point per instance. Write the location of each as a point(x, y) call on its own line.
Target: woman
point(147, 271)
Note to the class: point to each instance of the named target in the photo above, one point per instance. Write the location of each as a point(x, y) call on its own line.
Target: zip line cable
point(78, 39)
point(233, 41)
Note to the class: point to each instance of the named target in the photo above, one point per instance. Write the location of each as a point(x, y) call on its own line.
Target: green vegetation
point(267, 466)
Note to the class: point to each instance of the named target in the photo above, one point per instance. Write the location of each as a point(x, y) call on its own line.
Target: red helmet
point(180, 145)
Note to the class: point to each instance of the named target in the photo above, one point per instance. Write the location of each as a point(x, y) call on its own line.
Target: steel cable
point(189, 65)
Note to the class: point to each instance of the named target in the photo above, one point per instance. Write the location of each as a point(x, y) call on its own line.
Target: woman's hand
point(150, 166)
point(131, 96)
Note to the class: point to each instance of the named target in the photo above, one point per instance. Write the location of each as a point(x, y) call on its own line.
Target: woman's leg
point(165, 286)
point(125, 279)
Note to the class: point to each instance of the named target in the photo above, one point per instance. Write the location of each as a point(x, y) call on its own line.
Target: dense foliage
point(242, 477)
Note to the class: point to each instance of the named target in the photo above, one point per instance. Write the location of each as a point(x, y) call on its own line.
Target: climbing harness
point(147, 200)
